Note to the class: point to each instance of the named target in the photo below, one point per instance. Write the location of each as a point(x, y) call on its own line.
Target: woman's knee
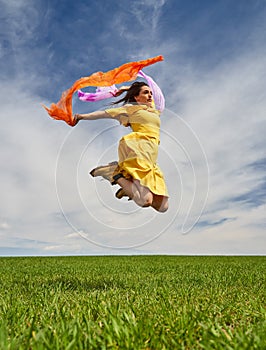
point(163, 208)
point(160, 204)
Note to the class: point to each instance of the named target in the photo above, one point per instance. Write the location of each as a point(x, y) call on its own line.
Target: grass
point(137, 302)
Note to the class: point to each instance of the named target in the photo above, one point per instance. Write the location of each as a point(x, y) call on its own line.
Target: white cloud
point(149, 23)
point(226, 109)
point(4, 226)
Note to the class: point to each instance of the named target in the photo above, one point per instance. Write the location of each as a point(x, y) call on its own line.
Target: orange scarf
point(62, 110)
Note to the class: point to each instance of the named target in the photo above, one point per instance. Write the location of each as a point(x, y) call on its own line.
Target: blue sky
point(213, 129)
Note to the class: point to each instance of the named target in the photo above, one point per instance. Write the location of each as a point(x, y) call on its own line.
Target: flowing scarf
point(62, 110)
point(102, 93)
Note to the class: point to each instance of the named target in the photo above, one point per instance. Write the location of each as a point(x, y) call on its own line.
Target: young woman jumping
point(136, 171)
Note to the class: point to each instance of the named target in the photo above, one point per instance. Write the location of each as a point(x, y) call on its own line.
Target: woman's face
point(145, 96)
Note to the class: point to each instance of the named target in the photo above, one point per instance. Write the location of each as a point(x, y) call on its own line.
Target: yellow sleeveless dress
point(138, 151)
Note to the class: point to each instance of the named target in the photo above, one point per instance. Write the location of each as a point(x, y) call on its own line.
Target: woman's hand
point(76, 118)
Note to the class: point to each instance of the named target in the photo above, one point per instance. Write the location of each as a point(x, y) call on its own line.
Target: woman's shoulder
point(127, 108)
point(131, 108)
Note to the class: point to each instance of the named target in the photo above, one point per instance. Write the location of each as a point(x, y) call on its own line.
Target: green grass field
point(137, 302)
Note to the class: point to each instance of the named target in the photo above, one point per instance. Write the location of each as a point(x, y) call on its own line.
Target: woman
point(136, 172)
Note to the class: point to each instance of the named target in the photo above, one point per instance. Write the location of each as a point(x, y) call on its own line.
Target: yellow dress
point(138, 151)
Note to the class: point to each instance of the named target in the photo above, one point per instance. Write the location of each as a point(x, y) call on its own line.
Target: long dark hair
point(133, 91)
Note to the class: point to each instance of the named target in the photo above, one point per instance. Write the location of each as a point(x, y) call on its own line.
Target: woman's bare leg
point(141, 195)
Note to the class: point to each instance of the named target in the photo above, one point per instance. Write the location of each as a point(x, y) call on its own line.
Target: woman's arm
point(92, 116)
